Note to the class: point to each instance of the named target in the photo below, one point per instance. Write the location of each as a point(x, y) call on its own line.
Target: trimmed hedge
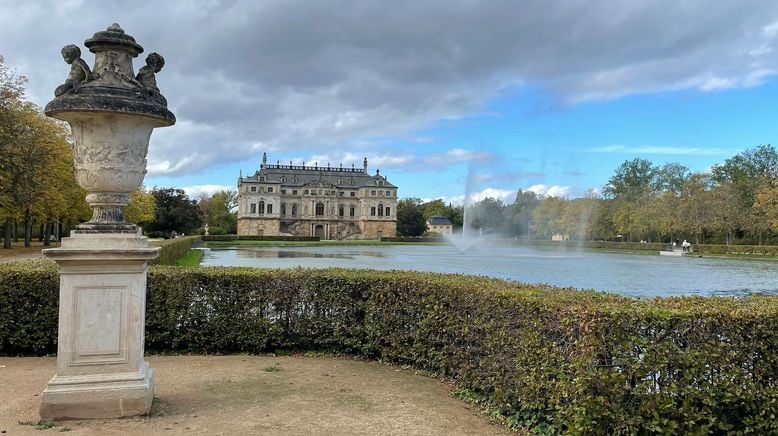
point(762, 250)
point(413, 239)
point(259, 238)
point(557, 360)
point(172, 249)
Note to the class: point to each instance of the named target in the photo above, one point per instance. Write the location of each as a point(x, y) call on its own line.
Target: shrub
point(157, 234)
point(173, 249)
point(429, 238)
point(559, 360)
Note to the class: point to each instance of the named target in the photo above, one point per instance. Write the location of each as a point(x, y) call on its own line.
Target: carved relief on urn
point(112, 113)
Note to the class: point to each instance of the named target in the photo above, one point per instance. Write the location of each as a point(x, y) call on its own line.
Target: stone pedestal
point(101, 372)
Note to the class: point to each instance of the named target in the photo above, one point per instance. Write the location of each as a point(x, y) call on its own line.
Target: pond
point(637, 275)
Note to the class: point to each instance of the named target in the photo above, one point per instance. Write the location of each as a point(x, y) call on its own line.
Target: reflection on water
point(638, 275)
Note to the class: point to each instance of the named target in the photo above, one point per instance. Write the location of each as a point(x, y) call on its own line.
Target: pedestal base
point(98, 396)
point(101, 372)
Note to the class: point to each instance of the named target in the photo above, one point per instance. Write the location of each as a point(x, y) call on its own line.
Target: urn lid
point(111, 84)
point(113, 36)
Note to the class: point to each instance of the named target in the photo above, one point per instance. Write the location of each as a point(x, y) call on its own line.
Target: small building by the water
point(440, 224)
point(324, 201)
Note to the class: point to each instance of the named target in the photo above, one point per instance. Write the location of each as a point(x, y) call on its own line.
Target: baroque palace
point(328, 202)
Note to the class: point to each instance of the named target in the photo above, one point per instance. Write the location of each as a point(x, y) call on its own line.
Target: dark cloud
point(244, 76)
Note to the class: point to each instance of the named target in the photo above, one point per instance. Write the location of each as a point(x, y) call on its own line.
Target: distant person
point(686, 246)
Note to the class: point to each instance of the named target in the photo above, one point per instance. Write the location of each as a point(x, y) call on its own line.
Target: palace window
point(283, 191)
point(372, 211)
point(294, 191)
point(353, 194)
point(319, 209)
point(283, 179)
point(372, 193)
point(269, 208)
point(253, 189)
point(342, 193)
point(387, 211)
point(351, 211)
point(380, 209)
point(294, 179)
point(262, 179)
point(253, 208)
point(341, 211)
point(305, 192)
point(294, 209)
point(351, 182)
point(261, 207)
point(283, 209)
point(388, 193)
point(269, 189)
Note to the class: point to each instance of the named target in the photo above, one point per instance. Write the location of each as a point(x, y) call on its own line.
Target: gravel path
point(259, 395)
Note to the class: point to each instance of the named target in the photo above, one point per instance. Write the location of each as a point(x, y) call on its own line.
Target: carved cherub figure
point(79, 70)
point(147, 76)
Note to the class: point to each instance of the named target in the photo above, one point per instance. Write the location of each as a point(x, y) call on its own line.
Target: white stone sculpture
point(101, 372)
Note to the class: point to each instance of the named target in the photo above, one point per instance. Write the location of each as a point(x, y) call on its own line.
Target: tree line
point(735, 202)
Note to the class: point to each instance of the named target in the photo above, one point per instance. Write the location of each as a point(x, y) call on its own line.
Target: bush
point(157, 234)
point(559, 360)
point(173, 249)
point(430, 238)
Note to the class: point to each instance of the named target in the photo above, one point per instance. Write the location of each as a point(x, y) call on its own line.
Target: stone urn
point(101, 371)
point(112, 112)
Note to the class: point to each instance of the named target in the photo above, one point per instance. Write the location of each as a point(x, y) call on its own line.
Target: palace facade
point(328, 202)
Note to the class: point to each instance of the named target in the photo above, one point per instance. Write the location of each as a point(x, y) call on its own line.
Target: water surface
point(627, 274)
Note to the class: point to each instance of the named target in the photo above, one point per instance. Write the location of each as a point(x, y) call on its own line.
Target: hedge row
point(173, 249)
point(767, 250)
point(558, 360)
point(258, 238)
point(412, 239)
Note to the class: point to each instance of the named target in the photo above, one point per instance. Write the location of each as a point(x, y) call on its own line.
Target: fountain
point(466, 241)
point(101, 371)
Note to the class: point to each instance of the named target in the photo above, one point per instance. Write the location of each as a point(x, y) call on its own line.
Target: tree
point(432, 208)
point(632, 179)
point(36, 164)
point(142, 208)
point(410, 219)
point(487, 216)
point(219, 211)
point(743, 176)
point(40, 164)
point(11, 125)
point(547, 217)
point(695, 206)
point(175, 212)
point(520, 213)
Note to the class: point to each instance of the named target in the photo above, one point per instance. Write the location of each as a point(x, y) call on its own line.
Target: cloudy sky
point(444, 97)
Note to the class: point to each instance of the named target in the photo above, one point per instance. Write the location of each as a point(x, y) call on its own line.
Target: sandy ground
point(259, 395)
